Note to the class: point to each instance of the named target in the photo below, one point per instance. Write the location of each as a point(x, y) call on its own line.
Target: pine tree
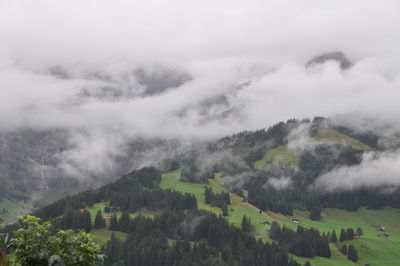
point(349, 234)
point(225, 210)
point(352, 253)
point(86, 221)
point(315, 214)
point(359, 232)
point(333, 237)
point(342, 236)
point(246, 224)
point(227, 198)
point(207, 195)
point(124, 221)
point(113, 223)
point(343, 250)
point(99, 221)
point(275, 231)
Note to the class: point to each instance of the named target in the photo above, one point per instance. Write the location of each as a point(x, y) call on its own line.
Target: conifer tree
point(342, 236)
point(343, 250)
point(333, 237)
point(113, 223)
point(349, 234)
point(207, 195)
point(275, 231)
point(225, 210)
point(99, 221)
point(352, 253)
point(123, 223)
point(359, 232)
point(315, 214)
point(86, 221)
point(246, 224)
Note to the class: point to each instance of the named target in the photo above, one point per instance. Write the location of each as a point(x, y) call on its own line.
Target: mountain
point(39, 167)
point(234, 196)
point(338, 57)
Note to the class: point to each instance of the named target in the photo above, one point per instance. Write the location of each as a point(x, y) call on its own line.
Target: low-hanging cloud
point(280, 183)
point(94, 68)
point(373, 172)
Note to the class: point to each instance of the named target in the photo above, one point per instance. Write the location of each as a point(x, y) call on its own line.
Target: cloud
point(94, 68)
point(98, 46)
point(280, 183)
point(375, 170)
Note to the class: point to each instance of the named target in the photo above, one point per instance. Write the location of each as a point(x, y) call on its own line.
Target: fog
point(117, 70)
point(374, 171)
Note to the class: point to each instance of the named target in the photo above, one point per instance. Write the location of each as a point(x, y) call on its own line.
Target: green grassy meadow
point(237, 209)
point(101, 236)
point(278, 156)
point(339, 138)
point(14, 211)
point(281, 155)
point(372, 249)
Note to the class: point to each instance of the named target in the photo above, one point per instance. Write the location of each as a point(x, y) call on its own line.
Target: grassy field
point(101, 236)
point(371, 248)
point(336, 137)
point(237, 209)
point(14, 210)
point(100, 207)
point(282, 156)
point(278, 156)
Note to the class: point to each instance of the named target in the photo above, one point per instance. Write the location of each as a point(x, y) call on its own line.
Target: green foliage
point(3, 258)
point(33, 244)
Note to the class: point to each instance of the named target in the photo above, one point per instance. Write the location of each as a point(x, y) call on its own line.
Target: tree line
point(303, 242)
point(198, 238)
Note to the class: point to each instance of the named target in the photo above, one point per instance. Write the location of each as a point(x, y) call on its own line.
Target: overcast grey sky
point(220, 45)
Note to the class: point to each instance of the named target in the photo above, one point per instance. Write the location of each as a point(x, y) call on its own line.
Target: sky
point(250, 53)
point(101, 66)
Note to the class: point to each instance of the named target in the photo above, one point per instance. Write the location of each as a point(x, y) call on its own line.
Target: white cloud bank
point(219, 44)
point(61, 62)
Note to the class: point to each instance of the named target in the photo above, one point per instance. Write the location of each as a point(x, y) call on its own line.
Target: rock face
point(34, 164)
point(339, 57)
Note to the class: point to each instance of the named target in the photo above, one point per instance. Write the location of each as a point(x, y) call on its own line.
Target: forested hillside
point(248, 199)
